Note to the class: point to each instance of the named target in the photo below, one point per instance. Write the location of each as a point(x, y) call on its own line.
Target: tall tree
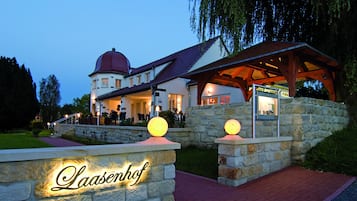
point(49, 98)
point(18, 101)
point(328, 25)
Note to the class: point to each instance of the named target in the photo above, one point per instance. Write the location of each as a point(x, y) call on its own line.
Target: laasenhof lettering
point(72, 178)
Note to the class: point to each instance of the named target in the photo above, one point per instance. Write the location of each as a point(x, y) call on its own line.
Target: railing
point(68, 119)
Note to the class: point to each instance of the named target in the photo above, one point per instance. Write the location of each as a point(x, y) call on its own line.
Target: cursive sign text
point(74, 177)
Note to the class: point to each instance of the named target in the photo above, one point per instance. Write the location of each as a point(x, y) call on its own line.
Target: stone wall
point(307, 120)
point(241, 161)
point(124, 134)
point(141, 171)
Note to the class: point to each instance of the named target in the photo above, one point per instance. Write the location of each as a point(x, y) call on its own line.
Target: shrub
point(36, 127)
point(169, 117)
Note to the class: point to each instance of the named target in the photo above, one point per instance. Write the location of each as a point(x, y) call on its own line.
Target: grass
point(199, 161)
point(21, 139)
point(336, 153)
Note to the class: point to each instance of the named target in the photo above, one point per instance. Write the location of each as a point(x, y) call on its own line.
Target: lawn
point(21, 139)
point(337, 153)
point(198, 161)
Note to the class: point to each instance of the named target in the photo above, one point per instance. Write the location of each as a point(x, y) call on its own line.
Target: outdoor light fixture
point(157, 127)
point(232, 128)
point(157, 109)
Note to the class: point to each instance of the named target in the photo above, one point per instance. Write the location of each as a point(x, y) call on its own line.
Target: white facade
point(173, 94)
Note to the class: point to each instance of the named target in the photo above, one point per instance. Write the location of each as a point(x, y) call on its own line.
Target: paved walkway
point(290, 184)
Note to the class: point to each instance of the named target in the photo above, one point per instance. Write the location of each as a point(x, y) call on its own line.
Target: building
point(138, 92)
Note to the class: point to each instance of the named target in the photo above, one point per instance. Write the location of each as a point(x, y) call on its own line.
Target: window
point(218, 99)
point(225, 99)
point(105, 82)
point(131, 82)
point(117, 83)
point(94, 84)
point(175, 102)
point(139, 79)
point(147, 77)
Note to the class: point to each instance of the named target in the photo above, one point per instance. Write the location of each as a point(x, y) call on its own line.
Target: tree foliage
point(79, 105)
point(18, 101)
point(328, 25)
point(49, 98)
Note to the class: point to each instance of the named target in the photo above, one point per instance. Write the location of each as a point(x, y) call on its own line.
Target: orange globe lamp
point(157, 126)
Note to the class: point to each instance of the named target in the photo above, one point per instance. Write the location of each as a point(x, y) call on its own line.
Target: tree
point(328, 25)
point(80, 105)
point(18, 101)
point(49, 98)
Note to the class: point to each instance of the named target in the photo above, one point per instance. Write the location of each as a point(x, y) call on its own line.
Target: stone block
point(252, 148)
point(160, 188)
point(162, 157)
point(137, 193)
point(168, 198)
point(229, 150)
point(15, 191)
point(250, 160)
point(231, 182)
point(222, 160)
point(112, 195)
point(169, 171)
point(236, 161)
point(156, 173)
point(285, 145)
point(229, 172)
point(278, 156)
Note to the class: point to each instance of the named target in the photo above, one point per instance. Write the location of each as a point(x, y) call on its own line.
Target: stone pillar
point(244, 160)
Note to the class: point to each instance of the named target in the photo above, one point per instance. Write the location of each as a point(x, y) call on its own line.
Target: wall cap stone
point(229, 140)
point(9, 155)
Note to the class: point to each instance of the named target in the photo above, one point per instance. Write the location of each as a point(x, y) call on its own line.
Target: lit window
point(224, 99)
point(175, 102)
point(213, 100)
point(117, 83)
point(105, 82)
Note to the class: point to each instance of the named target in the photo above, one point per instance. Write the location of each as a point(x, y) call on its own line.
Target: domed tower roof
point(112, 62)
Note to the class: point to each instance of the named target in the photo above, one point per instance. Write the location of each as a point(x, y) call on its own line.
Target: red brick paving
point(290, 184)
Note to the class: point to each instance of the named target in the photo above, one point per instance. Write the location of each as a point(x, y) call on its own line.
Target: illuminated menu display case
point(267, 106)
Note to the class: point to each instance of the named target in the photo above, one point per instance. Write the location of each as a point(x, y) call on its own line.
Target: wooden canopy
point(269, 63)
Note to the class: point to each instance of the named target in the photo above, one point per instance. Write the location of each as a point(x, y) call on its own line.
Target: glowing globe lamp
point(232, 127)
point(157, 127)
